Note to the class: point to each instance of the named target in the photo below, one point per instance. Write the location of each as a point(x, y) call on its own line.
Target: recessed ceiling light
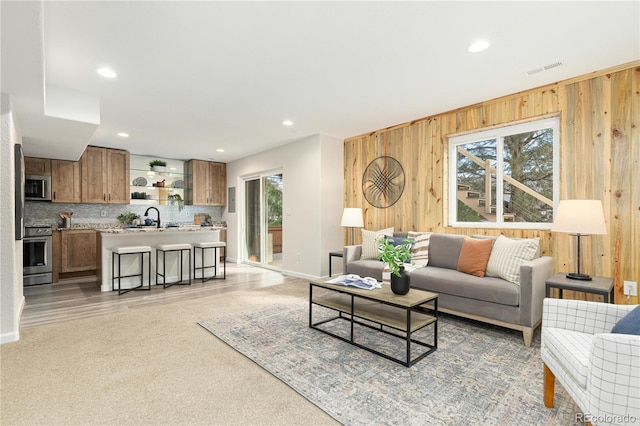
point(107, 72)
point(478, 46)
point(219, 150)
point(287, 123)
point(123, 135)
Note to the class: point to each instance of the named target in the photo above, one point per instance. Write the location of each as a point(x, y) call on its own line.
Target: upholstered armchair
point(600, 370)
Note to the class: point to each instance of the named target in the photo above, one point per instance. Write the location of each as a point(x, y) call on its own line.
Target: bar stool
point(129, 250)
point(169, 248)
point(215, 245)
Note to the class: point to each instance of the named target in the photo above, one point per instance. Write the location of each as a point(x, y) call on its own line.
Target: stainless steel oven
point(37, 255)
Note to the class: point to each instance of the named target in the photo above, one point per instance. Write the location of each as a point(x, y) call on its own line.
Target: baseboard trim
point(13, 336)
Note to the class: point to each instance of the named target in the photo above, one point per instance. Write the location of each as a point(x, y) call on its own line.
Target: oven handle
point(37, 239)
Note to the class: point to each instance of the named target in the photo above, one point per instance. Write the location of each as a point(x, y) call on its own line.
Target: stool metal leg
point(120, 290)
point(180, 254)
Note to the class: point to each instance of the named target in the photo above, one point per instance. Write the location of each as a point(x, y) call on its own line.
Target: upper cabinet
point(37, 166)
point(65, 181)
point(207, 183)
point(105, 175)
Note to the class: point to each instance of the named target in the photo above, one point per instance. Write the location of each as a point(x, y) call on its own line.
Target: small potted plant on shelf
point(396, 256)
point(158, 165)
point(176, 199)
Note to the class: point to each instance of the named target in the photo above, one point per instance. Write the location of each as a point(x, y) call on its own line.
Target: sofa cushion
point(474, 256)
point(448, 281)
point(444, 250)
point(572, 349)
point(420, 247)
point(370, 242)
point(508, 255)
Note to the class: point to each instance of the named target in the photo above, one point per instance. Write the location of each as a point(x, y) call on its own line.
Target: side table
point(333, 254)
point(598, 285)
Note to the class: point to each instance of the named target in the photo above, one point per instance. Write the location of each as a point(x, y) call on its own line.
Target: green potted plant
point(128, 218)
point(176, 199)
point(396, 256)
point(158, 165)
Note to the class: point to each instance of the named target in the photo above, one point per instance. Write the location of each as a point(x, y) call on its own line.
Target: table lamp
point(579, 218)
point(352, 218)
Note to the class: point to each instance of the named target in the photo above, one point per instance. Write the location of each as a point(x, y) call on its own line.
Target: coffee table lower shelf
point(374, 312)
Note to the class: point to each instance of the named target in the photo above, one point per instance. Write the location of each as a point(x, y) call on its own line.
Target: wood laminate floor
point(77, 298)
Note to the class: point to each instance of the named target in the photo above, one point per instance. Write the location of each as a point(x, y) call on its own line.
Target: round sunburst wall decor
point(383, 182)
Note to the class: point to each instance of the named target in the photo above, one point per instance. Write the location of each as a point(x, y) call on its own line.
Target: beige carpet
point(153, 365)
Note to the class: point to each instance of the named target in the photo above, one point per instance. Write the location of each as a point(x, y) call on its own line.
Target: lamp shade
point(580, 217)
point(352, 217)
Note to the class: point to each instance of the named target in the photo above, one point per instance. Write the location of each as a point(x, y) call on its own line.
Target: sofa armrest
point(582, 316)
point(350, 254)
point(533, 277)
point(613, 382)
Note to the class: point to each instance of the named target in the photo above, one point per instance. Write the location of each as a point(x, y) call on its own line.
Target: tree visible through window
point(504, 176)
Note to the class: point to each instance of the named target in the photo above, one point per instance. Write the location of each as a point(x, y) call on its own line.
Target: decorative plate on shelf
point(178, 184)
point(140, 181)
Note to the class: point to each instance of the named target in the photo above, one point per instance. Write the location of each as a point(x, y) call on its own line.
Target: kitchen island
point(107, 239)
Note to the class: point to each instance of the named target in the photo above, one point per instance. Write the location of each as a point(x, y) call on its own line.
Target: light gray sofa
point(488, 299)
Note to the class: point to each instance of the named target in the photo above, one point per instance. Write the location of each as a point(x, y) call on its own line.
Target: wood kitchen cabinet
point(65, 181)
point(77, 250)
point(105, 176)
point(37, 166)
point(207, 184)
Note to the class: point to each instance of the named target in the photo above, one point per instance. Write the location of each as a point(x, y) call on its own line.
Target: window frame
point(498, 133)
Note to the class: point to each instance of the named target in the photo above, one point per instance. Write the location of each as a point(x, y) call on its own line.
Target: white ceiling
point(198, 76)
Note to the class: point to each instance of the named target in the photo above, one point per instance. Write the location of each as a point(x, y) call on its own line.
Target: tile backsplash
point(46, 213)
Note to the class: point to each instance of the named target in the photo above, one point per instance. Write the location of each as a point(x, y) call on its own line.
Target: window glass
point(505, 177)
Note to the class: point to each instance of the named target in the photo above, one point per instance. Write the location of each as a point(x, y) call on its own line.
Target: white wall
point(313, 174)
point(11, 295)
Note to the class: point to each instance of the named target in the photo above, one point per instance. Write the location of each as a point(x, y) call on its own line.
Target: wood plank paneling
point(599, 159)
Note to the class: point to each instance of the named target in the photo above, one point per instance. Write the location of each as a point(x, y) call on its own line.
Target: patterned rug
point(480, 374)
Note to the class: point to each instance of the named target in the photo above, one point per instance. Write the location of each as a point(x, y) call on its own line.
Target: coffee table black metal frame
point(427, 308)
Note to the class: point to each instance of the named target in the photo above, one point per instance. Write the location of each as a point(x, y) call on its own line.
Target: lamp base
point(581, 277)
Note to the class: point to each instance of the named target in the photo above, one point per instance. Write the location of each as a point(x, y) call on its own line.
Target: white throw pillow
point(370, 242)
point(508, 255)
point(420, 247)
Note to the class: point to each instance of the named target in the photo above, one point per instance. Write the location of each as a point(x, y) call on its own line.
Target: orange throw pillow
point(474, 255)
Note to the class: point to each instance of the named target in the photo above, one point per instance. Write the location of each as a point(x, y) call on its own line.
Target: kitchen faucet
point(146, 213)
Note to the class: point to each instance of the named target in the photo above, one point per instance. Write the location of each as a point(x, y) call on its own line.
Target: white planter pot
point(159, 168)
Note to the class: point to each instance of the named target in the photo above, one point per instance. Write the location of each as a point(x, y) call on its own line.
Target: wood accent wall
point(599, 159)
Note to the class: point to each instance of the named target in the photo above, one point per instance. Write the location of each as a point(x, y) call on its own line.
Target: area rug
point(480, 374)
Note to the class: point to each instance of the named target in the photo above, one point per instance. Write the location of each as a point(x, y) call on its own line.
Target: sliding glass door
point(263, 219)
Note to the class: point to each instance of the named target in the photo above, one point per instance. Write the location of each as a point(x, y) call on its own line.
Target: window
point(505, 177)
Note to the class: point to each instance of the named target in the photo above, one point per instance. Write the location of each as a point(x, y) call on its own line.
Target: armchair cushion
point(572, 351)
point(629, 324)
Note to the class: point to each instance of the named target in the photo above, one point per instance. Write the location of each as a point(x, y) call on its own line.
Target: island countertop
point(154, 229)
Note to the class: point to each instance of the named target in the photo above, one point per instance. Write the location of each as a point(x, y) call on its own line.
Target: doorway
point(263, 220)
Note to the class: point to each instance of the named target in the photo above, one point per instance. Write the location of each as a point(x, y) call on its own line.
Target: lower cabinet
point(77, 250)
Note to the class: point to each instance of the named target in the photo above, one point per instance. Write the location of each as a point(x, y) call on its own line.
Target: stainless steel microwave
point(37, 188)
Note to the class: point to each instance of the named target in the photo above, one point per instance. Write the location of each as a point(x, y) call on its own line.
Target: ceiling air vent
point(545, 68)
point(554, 65)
